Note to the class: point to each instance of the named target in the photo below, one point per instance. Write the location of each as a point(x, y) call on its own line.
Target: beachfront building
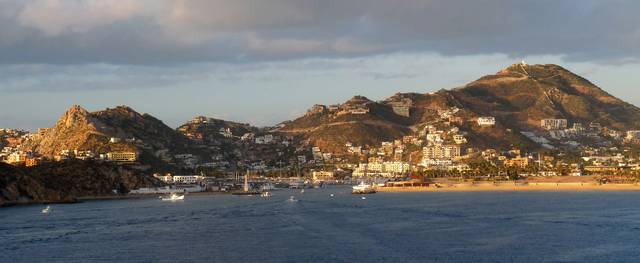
point(384, 169)
point(167, 178)
point(441, 152)
point(521, 162)
point(187, 179)
point(319, 176)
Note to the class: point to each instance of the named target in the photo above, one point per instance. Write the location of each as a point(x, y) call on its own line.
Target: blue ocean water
point(384, 227)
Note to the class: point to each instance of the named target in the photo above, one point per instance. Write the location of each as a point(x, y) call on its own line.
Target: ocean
point(318, 227)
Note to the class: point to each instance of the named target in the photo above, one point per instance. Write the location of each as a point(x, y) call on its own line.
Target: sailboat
point(46, 210)
point(246, 190)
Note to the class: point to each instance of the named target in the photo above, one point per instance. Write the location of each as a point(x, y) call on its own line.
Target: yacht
point(46, 210)
point(173, 197)
point(266, 194)
point(363, 188)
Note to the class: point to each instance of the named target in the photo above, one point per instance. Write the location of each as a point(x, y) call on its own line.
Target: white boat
point(46, 210)
point(173, 197)
point(292, 199)
point(363, 188)
point(266, 194)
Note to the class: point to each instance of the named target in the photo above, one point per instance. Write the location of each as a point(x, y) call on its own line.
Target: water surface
point(384, 227)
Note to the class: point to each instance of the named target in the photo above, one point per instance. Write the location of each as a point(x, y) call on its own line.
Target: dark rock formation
point(65, 181)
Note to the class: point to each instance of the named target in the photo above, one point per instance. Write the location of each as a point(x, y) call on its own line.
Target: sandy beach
point(510, 186)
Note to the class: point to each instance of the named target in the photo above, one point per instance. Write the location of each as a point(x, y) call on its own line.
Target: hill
point(109, 130)
point(522, 95)
point(211, 130)
point(519, 97)
point(358, 120)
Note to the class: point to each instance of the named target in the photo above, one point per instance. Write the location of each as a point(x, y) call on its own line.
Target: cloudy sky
point(265, 61)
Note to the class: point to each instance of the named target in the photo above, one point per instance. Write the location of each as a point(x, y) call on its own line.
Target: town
point(439, 148)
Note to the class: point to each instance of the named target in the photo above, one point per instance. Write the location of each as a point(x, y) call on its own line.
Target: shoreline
point(97, 198)
point(512, 187)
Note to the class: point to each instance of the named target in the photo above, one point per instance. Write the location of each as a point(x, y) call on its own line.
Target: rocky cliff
point(65, 181)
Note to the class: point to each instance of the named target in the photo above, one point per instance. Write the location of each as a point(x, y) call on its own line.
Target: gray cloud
point(166, 32)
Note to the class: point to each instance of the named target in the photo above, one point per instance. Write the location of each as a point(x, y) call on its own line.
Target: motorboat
point(46, 210)
point(173, 197)
point(363, 188)
point(265, 194)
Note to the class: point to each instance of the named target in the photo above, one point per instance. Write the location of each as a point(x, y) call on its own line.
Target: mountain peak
point(75, 114)
point(76, 109)
point(534, 70)
point(358, 100)
point(122, 109)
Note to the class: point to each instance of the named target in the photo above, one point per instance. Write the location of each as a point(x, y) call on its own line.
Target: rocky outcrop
point(17, 187)
point(65, 181)
point(81, 130)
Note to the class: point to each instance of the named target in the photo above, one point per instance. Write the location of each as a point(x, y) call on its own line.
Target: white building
point(486, 121)
point(322, 176)
point(441, 152)
point(355, 149)
point(226, 132)
point(434, 138)
point(459, 139)
point(187, 179)
point(554, 124)
point(633, 135)
point(385, 169)
point(247, 136)
point(165, 178)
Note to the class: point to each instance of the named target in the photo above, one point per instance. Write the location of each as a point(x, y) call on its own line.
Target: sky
point(266, 61)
